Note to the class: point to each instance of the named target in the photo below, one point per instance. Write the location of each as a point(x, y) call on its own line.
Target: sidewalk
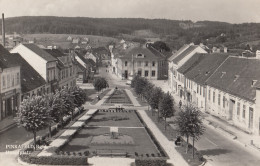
point(222, 126)
point(7, 123)
point(168, 146)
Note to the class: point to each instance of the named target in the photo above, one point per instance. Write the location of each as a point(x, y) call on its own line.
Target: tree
point(80, 96)
point(190, 123)
point(67, 96)
point(100, 83)
point(166, 107)
point(33, 115)
point(134, 80)
point(140, 85)
point(155, 98)
point(159, 45)
point(147, 92)
point(56, 107)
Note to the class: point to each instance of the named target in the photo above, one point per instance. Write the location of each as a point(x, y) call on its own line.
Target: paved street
point(224, 151)
point(218, 149)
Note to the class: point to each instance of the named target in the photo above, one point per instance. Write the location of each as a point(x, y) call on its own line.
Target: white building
point(176, 80)
point(41, 61)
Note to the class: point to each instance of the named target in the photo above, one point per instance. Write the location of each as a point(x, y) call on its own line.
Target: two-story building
point(32, 82)
point(176, 79)
point(66, 68)
point(85, 67)
point(44, 63)
point(10, 85)
point(144, 61)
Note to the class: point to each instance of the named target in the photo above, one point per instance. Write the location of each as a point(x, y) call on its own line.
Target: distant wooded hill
point(174, 32)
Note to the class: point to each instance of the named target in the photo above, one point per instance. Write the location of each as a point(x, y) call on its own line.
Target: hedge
point(155, 141)
point(55, 160)
point(150, 161)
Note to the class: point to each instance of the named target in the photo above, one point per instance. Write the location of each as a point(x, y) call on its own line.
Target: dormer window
point(223, 73)
point(236, 77)
point(253, 82)
point(139, 56)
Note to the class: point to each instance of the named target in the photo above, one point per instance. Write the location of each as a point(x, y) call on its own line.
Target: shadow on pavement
point(214, 152)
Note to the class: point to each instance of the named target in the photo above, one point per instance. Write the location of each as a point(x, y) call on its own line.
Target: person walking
point(180, 103)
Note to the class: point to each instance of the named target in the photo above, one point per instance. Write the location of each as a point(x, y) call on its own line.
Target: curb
point(8, 127)
point(231, 136)
point(224, 132)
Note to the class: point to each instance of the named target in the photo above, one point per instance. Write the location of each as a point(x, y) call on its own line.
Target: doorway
point(231, 108)
point(126, 74)
point(251, 115)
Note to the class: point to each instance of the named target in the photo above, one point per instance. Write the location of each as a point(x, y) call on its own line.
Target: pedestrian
point(180, 104)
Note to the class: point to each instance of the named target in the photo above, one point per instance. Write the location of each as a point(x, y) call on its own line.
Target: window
point(238, 108)
point(17, 78)
point(218, 99)
point(153, 73)
point(209, 95)
point(3, 82)
point(153, 63)
point(224, 101)
point(125, 63)
point(139, 72)
point(197, 88)
point(244, 111)
point(213, 97)
point(200, 89)
point(12, 80)
point(146, 63)
point(203, 92)
point(139, 63)
point(8, 81)
point(146, 73)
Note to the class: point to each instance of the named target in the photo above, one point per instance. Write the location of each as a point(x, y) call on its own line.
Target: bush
point(55, 160)
point(150, 162)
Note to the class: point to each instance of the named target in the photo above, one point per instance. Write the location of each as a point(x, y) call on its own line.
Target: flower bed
point(160, 161)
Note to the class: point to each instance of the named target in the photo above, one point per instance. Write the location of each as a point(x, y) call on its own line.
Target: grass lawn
point(105, 119)
point(171, 135)
point(82, 141)
point(130, 128)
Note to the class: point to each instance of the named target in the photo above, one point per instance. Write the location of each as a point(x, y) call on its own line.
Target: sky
point(232, 11)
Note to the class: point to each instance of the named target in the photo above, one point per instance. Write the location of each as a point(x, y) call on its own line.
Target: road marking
point(211, 141)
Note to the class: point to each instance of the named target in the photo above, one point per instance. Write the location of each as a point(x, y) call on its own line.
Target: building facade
point(10, 85)
point(42, 62)
point(143, 61)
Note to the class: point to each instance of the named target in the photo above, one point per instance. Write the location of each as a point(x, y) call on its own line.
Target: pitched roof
point(185, 46)
point(235, 76)
point(91, 62)
point(186, 52)
point(147, 52)
point(6, 59)
point(81, 57)
point(56, 54)
point(191, 63)
point(37, 50)
point(30, 78)
point(205, 68)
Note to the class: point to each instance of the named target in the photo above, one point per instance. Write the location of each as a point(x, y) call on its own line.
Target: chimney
point(257, 54)
point(3, 29)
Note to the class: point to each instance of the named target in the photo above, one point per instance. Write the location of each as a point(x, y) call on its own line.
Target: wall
point(38, 63)
point(12, 74)
point(239, 118)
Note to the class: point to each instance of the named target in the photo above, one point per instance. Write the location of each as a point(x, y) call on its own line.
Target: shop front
point(9, 103)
